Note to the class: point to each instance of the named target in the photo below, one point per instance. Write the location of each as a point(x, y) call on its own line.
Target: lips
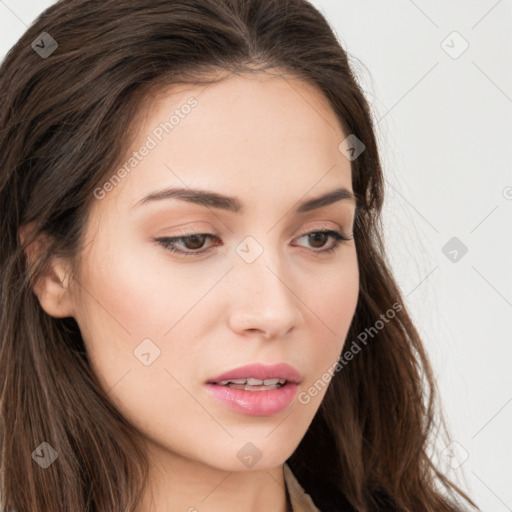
point(261, 372)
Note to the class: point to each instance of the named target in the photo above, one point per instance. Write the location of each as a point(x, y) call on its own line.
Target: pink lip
point(262, 372)
point(255, 403)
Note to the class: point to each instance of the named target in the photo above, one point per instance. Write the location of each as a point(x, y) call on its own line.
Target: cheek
point(123, 302)
point(337, 300)
point(125, 314)
point(333, 297)
point(331, 308)
point(131, 295)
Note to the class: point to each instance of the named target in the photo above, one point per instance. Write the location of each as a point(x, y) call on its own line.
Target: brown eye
point(194, 242)
point(319, 238)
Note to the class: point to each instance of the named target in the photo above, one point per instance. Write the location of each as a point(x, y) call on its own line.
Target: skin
point(271, 143)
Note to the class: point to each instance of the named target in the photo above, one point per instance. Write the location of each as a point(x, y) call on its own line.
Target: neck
point(178, 483)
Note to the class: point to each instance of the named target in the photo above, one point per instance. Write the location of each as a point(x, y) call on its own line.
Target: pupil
point(316, 235)
point(195, 238)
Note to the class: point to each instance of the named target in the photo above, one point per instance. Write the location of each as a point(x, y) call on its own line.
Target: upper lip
point(260, 371)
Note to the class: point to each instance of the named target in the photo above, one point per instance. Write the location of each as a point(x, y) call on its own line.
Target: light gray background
point(443, 121)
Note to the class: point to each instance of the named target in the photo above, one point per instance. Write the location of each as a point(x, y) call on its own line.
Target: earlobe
point(52, 290)
point(52, 287)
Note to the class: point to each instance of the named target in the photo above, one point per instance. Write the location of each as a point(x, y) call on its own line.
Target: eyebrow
point(232, 204)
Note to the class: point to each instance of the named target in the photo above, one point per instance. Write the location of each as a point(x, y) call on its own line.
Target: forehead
point(244, 133)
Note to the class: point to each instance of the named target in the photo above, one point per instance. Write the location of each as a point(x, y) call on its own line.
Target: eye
point(194, 242)
point(320, 236)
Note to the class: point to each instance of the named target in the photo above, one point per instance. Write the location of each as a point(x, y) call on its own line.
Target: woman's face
point(158, 325)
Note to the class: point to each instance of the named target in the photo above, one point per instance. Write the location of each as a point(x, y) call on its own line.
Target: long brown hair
point(66, 119)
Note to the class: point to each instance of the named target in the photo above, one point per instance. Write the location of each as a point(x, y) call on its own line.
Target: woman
point(197, 310)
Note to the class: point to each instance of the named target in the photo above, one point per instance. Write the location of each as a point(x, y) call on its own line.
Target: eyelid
point(184, 233)
point(337, 234)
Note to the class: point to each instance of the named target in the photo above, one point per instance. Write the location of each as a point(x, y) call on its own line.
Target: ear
point(52, 286)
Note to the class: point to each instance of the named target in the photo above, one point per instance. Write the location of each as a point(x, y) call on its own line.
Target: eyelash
point(338, 236)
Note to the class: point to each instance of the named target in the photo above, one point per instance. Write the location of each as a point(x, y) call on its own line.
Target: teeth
point(260, 388)
point(253, 388)
point(234, 381)
point(252, 382)
point(271, 382)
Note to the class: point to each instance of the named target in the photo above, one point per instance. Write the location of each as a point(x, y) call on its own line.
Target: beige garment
point(300, 501)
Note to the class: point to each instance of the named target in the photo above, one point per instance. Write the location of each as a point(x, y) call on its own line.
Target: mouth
point(256, 389)
point(252, 384)
point(258, 376)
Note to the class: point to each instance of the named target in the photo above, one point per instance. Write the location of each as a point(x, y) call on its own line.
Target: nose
point(263, 300)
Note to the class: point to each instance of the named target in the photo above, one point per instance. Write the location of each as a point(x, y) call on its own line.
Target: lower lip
point(255, 403)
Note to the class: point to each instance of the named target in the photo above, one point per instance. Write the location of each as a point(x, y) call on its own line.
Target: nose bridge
point(264, 299)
